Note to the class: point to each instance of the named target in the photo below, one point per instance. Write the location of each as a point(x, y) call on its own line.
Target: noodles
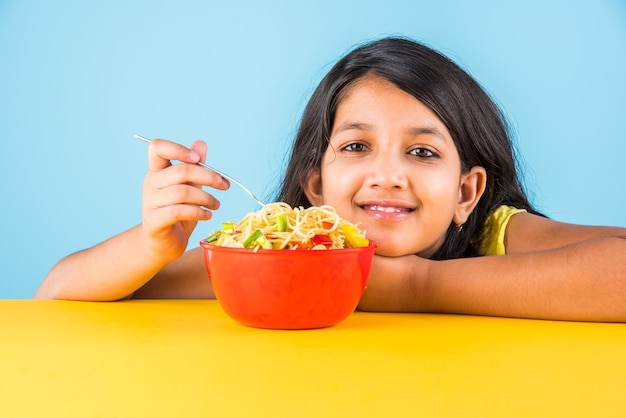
point(279, 226)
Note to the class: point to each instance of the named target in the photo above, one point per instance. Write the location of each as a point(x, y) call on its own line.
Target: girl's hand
point(397, 284)
point(173, 198)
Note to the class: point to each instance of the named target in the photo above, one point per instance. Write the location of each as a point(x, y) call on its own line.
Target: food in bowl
point(287, 278)
point(278, 226)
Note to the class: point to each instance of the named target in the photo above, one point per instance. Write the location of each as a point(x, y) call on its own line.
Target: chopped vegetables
point(213, 237)
point(278, 226)
point(281, 223)
point(256, 240)
point(228, 227)
point(353, 236)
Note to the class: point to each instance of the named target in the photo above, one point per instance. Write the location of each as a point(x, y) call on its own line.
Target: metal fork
point(224, 175)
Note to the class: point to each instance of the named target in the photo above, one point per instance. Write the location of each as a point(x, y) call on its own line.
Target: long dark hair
point(476, 124)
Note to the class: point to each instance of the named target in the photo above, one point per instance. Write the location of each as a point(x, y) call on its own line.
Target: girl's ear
point(313, 187)
point(471, 189)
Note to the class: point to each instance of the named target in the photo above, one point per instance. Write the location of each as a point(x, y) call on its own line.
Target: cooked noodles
point(279, 226)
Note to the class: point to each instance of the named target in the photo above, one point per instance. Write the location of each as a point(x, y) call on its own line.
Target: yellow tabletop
point(188, 359)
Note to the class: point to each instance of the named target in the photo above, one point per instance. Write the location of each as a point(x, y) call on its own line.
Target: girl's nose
point(387, 173)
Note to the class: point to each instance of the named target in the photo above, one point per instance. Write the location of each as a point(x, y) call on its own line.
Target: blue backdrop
point(79, 78)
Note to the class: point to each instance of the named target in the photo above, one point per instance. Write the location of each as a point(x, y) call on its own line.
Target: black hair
point(475, 123)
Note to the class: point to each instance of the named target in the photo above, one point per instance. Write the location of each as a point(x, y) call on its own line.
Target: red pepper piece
point(322, 239)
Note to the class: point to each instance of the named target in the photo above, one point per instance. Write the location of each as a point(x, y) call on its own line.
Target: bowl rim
point(207, 245)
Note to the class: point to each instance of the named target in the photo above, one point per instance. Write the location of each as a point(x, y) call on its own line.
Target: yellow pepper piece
point(353, 238)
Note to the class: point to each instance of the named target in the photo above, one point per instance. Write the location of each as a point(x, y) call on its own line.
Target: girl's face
point(393, 168)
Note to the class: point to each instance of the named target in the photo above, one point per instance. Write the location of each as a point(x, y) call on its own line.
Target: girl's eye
point(422, 153)
point(355, 147)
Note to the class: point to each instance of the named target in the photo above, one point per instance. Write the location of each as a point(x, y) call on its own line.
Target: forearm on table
point(111, 270)
point(584, 281)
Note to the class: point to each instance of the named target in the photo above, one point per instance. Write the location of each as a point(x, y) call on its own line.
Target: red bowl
point(288, 289)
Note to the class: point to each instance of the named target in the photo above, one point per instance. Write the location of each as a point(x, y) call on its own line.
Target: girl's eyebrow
point(415, 131)
point(428, 130)
point(349, 126)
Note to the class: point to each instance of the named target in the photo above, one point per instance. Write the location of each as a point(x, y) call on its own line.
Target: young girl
point(401, 140)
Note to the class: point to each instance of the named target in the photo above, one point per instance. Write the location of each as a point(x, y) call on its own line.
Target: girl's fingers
point(185, 174)
point(173, 193)
point(162, 173)
point(167, 216)
point(164, 224)
point(162, 152)
point(200, 148)
point(181, 194)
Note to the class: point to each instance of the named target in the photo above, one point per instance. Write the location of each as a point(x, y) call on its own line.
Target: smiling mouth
point(387, 209)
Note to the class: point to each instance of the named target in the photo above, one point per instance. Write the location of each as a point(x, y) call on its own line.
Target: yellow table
point(188, 359)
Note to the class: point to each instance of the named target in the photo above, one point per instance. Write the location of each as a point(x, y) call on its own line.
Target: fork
point(224, 175)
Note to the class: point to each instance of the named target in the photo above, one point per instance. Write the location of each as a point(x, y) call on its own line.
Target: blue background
point(79, 78)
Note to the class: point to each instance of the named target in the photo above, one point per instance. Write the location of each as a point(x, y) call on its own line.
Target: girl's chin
point(397, 245)
point(394, 251)
point(391, 248)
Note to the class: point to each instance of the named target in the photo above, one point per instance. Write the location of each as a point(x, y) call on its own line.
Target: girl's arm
point(552, 270)
point(173, 203)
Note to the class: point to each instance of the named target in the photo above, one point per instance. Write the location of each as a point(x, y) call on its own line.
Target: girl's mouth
point(390, 213)
point(386, 209)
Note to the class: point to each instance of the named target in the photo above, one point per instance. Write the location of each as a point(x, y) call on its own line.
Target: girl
point(402, 141)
